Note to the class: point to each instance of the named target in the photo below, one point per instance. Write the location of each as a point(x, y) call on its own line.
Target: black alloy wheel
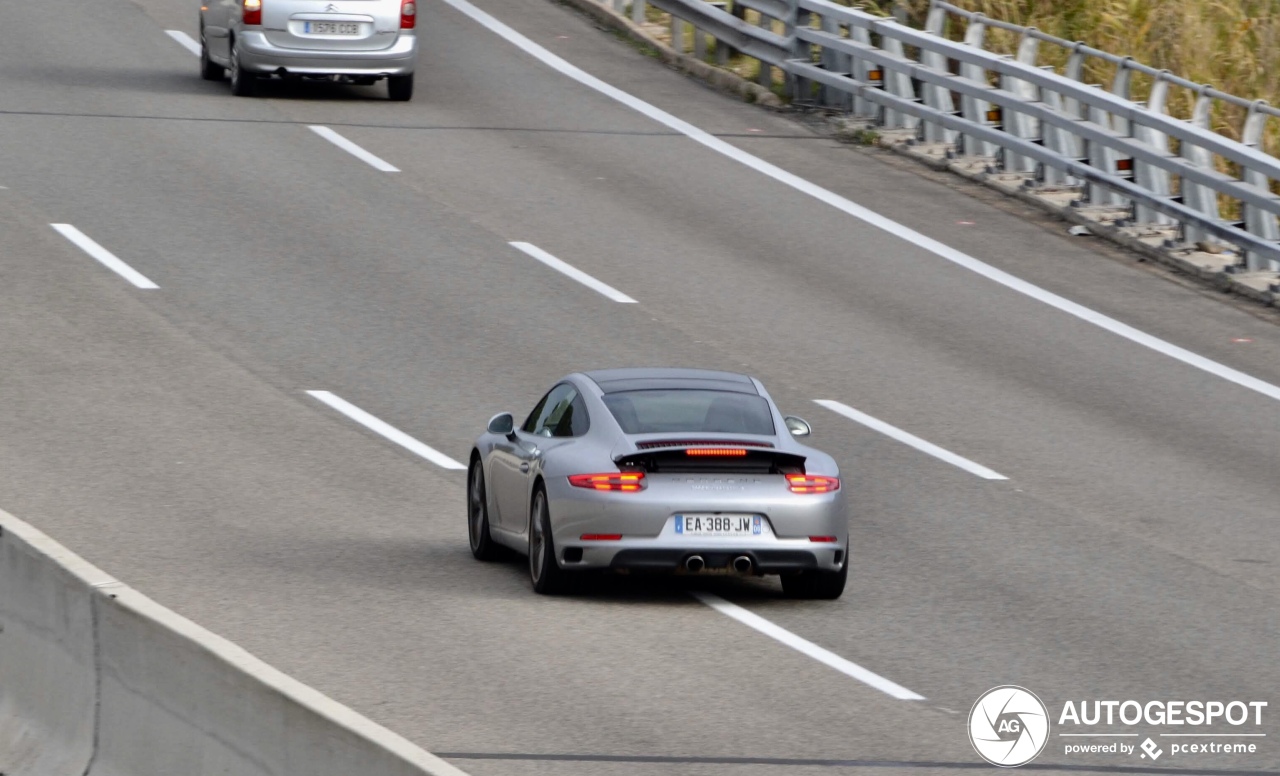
point(482, 545)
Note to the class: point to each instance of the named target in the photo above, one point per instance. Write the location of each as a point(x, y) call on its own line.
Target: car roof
point(670, 378)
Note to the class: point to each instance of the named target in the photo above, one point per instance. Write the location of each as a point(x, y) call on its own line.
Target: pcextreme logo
point(1008, 726)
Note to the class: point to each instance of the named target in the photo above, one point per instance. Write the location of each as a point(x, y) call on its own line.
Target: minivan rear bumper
point(259, 55)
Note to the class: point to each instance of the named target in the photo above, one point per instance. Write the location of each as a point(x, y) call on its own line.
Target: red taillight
point(601, 537)
point(408, 14)
point(252, 12)
point(823, 539)
point(812, 483)
point(625, 481)
point(728, 452)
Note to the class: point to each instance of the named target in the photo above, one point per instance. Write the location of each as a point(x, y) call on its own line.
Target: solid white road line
point(807, 647)
point(386, 430)
point(869, 216)
point(103, 255)
point(911, 439)
point(573, 272)
point(185, 40)
point(353, 149)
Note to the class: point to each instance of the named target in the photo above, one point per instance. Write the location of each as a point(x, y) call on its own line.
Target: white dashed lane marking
point(804, 646)
point(908, 438)
point(573, 272)
point(184, 40)
point(353, 149)
point(385, 430)
point(106, 257)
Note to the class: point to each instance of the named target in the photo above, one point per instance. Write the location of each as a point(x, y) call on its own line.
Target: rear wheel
point(400, 87)
point(209, 71)
point(545, 574)
point(482, 544)
point(242, 84)
point(816, 585)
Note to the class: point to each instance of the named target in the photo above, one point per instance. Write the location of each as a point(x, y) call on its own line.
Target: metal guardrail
point(1027, 119)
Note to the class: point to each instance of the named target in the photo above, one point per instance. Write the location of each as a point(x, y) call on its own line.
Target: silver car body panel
point(515, 464)
point(371, 44)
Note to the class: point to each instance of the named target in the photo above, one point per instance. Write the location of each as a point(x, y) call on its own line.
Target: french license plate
point(332, 28)
point(718, 525)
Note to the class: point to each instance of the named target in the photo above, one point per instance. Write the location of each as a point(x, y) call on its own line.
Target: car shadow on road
point(391, 563)
point(319, 91)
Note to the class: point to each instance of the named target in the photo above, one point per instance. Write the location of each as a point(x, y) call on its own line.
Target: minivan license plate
point(718, 525)
point(332, 28)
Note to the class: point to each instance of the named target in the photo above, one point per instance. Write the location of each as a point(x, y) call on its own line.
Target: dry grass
point(1232, 44)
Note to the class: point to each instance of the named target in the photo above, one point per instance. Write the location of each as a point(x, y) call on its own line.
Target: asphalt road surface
point(1132, 549)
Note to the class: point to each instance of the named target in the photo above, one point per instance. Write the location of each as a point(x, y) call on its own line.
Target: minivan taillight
point(252, 12)
point(625, 481)
point(812, 483)
point(408, 14)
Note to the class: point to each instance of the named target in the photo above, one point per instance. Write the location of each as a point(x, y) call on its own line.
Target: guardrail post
point(1148, 176)
point(1258, 221)
point(717, 46)
point(973, 109)
point(897, 83)
point(1194, 195)
point(1066, 143)
point(1120, 88)
point(937, 97)
point(1057, 139)
point(836, 62)
point(677, 33)
point(936, 22)
point(619, 6)
point(801, 88)
point(765, 76)
point(1104, 158)
point(637, 11)
point(1015, 122)
point(863, 108)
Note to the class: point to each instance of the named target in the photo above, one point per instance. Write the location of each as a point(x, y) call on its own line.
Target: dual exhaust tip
point(695, 563)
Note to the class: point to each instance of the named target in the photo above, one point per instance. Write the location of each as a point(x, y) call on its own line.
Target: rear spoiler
point(714, 456)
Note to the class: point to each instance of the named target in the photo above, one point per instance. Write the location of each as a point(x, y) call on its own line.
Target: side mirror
point(797, 426)
point(502, 423)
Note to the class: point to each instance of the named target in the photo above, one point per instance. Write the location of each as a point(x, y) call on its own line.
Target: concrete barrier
point(47, 674)
point(98, 680)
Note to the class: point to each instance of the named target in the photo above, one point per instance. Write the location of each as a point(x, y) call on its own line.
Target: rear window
point(657, 412)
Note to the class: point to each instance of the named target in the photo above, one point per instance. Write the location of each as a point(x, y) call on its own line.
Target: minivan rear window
point(663, 411)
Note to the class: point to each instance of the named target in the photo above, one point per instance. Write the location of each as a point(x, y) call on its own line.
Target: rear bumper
point(719, 560)
point(259, 55)
point(650, 541)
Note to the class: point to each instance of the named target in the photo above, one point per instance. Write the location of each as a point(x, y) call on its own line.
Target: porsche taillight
point(408, 14)
point(251, 11)
point(622, 481)
point(812, 483)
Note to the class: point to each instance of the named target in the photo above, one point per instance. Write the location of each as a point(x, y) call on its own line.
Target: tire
point(482, 545)
point(400, 87)
point(242, 84)
point(545, 574)
point(816, 585)
point(209, 71)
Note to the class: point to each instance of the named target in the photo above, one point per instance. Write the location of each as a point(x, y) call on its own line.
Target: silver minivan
point(354, 41)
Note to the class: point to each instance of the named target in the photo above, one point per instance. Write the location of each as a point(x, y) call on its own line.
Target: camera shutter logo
point(1009, 726)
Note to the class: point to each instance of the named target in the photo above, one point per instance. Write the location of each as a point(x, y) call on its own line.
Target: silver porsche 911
point(684, 471)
